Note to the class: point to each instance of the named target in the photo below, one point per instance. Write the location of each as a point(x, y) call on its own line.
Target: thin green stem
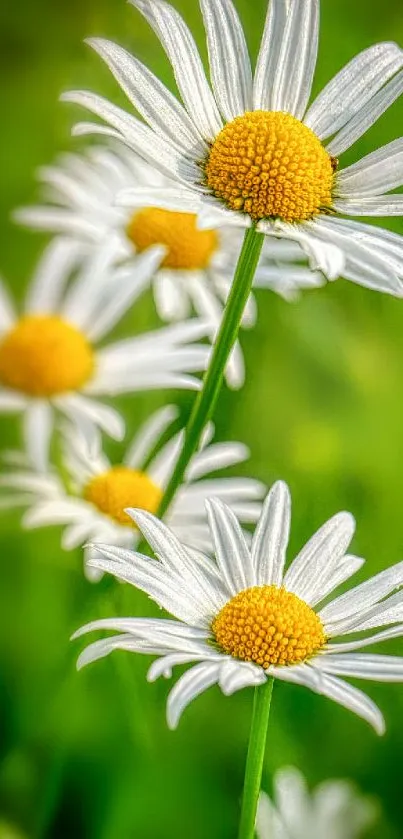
point(254, 759)
point(206, 399)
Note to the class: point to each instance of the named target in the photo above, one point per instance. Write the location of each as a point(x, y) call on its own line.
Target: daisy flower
point(334, 809)
point(243, 618)
point(249, 149)
point(49, 356)
point(196, 266)
point(101, 491)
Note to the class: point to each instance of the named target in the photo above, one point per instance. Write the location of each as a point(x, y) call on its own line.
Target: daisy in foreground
point(49, 358)
point(250, 149)
point(334, 809)
point(243, 618)
point(196, 267)
point(101, 491)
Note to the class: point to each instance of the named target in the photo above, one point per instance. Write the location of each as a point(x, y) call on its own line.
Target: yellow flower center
point(269, 165)
point(122, 487)
point(42, 356)
point(268, 625)
point(187, 247)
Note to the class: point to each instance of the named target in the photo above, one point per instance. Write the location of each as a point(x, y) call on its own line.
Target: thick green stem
point(255, 757)
point(206, 399)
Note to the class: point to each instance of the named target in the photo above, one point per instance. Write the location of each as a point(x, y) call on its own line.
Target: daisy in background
point(334, 809)
point(250, 150)
point(50, 358)
point(94, 506)
point(243, 618)
point(196, 268)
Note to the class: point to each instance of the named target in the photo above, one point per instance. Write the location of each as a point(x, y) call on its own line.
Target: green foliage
point(321, 408)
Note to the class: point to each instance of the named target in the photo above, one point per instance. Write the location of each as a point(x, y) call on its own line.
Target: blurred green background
point(322, 408)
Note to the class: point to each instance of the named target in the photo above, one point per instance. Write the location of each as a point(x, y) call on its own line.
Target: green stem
point(206, 399)
point(255, 757)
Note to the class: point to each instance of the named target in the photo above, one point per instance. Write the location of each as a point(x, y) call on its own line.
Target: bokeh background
point(89, 755)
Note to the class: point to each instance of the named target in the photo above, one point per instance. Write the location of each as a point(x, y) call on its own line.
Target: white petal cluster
point(175, 137)
point(334, 809)
point(194, 588)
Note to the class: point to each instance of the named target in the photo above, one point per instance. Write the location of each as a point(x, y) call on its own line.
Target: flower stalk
point(207, 397)
point(255, 758)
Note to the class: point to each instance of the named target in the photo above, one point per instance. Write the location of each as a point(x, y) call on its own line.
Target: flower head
point(96, 508)
point(196, 266)
point(334, 809)
point(243, 618)
point(50, 358)
point(250, 149)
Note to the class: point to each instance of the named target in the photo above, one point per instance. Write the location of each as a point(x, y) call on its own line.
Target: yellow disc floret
point(268, 625)
point(121, 487)
point(271, 166)
point(187, 247)
point(43, 356)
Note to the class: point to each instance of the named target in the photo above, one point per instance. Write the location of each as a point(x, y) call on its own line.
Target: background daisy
point(196, 267)
point(49, 356)
point(334, 809)
point(100, 490)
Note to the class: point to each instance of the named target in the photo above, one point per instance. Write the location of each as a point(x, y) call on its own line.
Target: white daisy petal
point(297, 58)
point(163, 464)
point(235, 675)
point(129, 283)
point(148, 435)
point(230, 68)
point(150, 146)
point(232, 553)
point(163, 666)
point(268, 58)
point(167, 197)
point(367, 116)
point(374, 174)
point(337, 690)
point(319, 558)
point(186, 63)
point(271, 536)
point(51, 275)
point(175, 557)
point(7, 311)
point(351, 646)
point(214, 457)
point(347, 607)
point(345, 569)
point(355, 85)
point(323, 256)
point(38, 426)
point(377, 668)
point(268, 821)
point(388, 611)
point(381, 205)
point(11, 402)
point(154, 101)
point(194, 682)
point(82, 410)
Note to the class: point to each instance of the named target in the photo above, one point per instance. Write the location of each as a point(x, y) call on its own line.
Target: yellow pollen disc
point(43, 356)
point(268, 625)
point(187, 247)
point(269, 165)
point(122, 487)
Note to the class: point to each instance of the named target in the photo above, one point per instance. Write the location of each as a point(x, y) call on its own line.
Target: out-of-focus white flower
point(101, 491)
point(196, 267)
point(334, 810)
point(250, 150)
point(50, 358)
point(243, 618)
